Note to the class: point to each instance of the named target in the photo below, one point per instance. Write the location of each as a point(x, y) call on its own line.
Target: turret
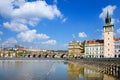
point(108, 19)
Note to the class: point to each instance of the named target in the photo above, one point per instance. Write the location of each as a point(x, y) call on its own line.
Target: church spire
point(108, 19)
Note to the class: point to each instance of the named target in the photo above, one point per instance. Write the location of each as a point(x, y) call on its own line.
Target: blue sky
point(51, 24)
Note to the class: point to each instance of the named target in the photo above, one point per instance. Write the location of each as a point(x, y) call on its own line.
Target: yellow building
point(75, 48)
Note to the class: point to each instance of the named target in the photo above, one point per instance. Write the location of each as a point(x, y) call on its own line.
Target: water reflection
point(83, 72)
point(75, 71)
point(92, 74)
point(48, 70)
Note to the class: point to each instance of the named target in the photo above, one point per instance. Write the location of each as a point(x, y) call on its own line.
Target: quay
point(109, 66)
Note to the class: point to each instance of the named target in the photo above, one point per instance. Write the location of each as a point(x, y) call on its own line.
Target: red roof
point(117, 39)
point(99, 41)
point(95, 42)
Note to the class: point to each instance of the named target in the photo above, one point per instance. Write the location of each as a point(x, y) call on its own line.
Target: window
point(115, 46)
point(96, 48)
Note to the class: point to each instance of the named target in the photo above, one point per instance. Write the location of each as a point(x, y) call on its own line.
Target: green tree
point(19, 53)
point(9, 53)
point(83, 44)
point(71, 54)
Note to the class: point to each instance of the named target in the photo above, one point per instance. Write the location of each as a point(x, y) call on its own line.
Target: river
point(47, 69)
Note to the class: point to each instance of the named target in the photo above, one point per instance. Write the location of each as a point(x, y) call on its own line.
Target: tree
point(83, 44)
point(19, 53)
point(9, 54)
point(71, 54)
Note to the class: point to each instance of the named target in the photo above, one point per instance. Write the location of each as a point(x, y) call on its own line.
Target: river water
point(48, 69)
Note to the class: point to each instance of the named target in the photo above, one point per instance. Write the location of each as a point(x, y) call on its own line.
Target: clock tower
point(108, 38)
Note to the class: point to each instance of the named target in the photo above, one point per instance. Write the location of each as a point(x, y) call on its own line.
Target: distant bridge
point(45, 55)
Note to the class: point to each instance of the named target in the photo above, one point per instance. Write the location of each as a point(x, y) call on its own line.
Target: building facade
point(94, 49)
point(75, 48)
point(117, 47)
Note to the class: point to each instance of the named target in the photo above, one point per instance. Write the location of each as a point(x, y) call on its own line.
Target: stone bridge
point(45, 55)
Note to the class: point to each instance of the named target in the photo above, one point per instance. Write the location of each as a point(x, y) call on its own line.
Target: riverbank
point(104, 66)
point(98, 60)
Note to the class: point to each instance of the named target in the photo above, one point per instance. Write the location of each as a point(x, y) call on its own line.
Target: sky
point(52, 24)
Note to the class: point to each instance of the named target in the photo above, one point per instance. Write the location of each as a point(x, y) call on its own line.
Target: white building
point(117, 47)
point(36, 49)
point(94, 48)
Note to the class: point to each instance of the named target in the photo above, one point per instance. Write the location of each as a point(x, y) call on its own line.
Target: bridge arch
point(46, 55)
point(28, 56)
point(115, 56)
point(39, 55)
point(34, 55)
point(54, 55)
point(63, 56)
point(24, 55)
point(119, 55)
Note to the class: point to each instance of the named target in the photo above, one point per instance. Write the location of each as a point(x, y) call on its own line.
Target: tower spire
point(108, 19)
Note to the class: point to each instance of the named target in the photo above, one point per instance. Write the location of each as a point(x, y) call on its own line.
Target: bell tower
point(108, 37)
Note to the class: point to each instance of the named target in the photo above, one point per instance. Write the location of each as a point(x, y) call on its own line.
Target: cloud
point(82, 34)
point(21, 15)
point(50, 42)
point(9, 42)
point(64, 20)
point(15, 26)
point(118, 31)
point(28, 9)
point(18, 3)
point(110, 9)
point(36, 9)
point(31, 35)
point(55, 1)
point(1, 32)
point(6, 8)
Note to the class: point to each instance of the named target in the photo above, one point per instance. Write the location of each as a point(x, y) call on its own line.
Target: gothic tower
point(108, 37)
